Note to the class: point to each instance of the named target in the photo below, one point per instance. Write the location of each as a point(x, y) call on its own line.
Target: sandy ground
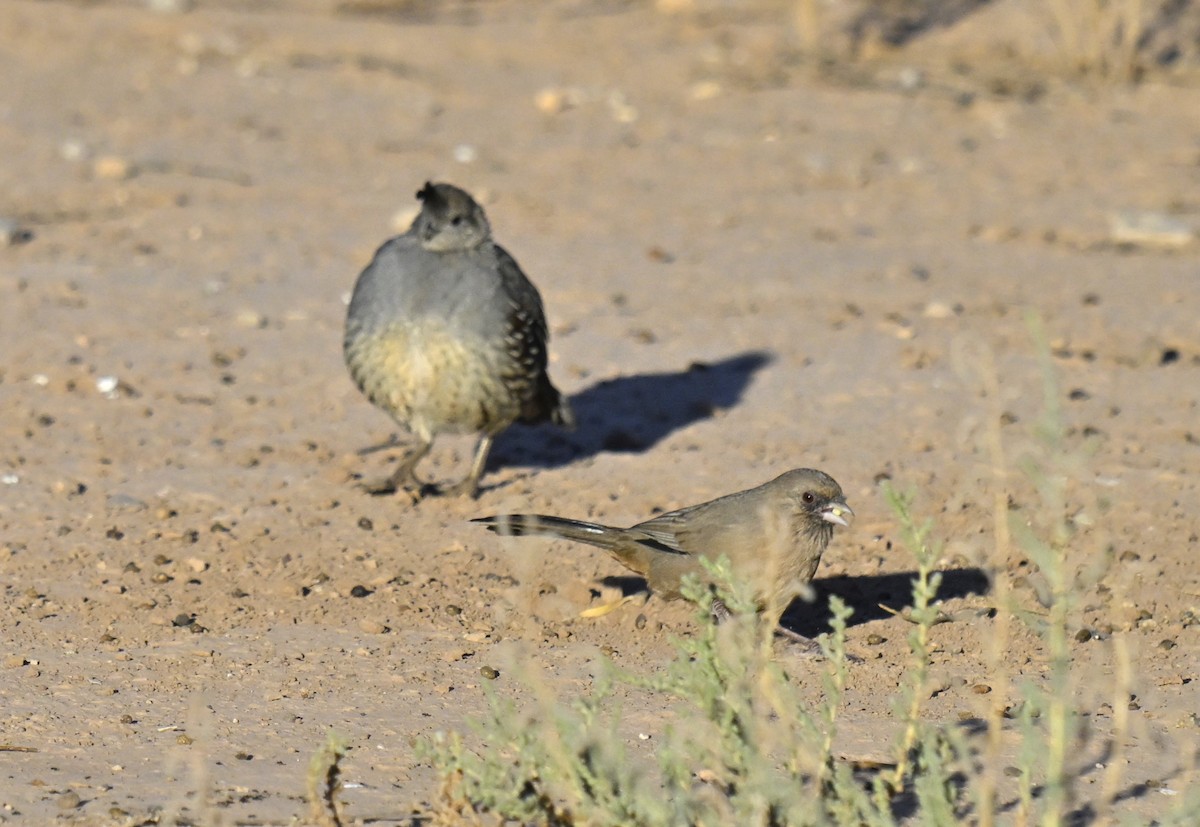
point(750, 263)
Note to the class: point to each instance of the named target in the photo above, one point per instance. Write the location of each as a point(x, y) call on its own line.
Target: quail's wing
point(525, 318)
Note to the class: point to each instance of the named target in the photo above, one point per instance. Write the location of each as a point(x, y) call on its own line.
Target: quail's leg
point(404, 478)
point(470, 484)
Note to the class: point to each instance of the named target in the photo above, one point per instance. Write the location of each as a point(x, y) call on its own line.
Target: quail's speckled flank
point(446, 334)
point(773, 535)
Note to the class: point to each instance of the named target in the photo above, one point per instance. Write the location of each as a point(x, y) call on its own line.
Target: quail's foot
point(404, 479)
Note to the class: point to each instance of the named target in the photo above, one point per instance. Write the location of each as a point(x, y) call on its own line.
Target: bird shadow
point(866, 596)
point(630, 414)
point(863, 594)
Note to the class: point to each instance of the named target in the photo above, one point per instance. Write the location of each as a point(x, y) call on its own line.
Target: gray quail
point(446, 334)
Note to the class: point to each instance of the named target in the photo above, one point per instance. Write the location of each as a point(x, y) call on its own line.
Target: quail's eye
point(808, 497)
point(456, 220)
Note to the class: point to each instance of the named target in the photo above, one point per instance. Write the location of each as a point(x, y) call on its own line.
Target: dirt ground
point(751, 261)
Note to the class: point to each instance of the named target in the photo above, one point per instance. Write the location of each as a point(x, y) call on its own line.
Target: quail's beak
point(837, 513)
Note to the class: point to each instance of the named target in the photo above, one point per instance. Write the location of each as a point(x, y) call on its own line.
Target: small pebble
point(74, 150)
point(12, 233)
point(69, 801)
point(1149, 229)
point(250, 319)
point(554, 100)
point(169, 6)
point(875, 639)
point(372, 627)
point(622, 111)
point(550, 101)
point(489, 673)
point(359, 591)
point(125, 501)
point(981, 689)
point(660, 255)
point(112, 168)
point(938, 310)
point(911, 79)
